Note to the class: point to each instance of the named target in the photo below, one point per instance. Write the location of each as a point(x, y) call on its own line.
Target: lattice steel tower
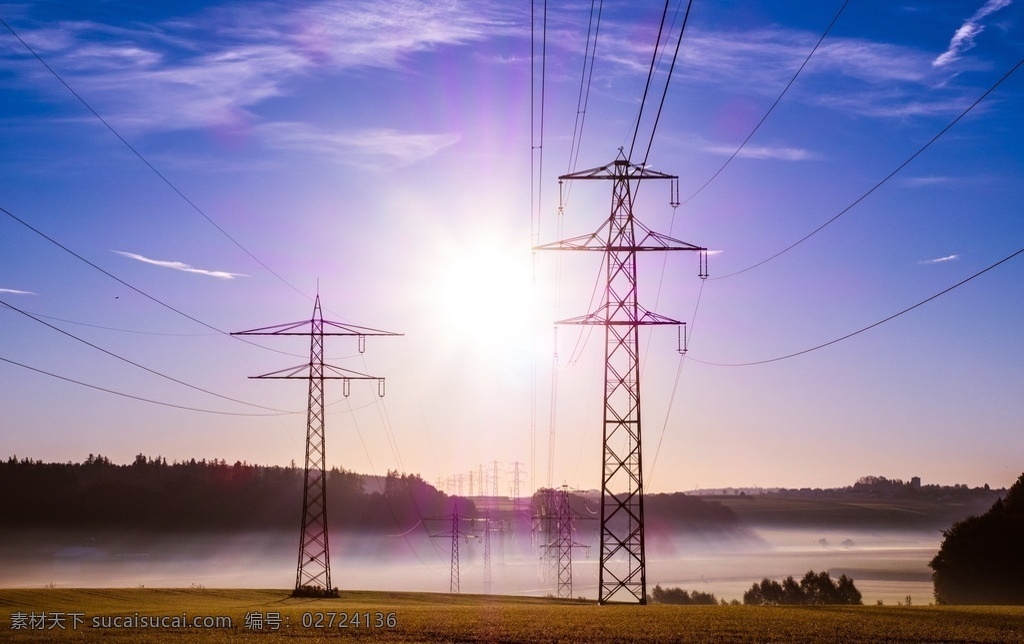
point(620, 238)
point(313, 573)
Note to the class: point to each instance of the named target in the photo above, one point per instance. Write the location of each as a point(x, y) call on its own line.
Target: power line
point(675, 386)
point(126, 284)
point(770, 109)
point(119, 330)
point(124, 395)
point(586, 80)
point(140, 366)
point(668, 81)
point(867, 328)
point(536, 185)
point(886, 178)
point(149, 165)
point(650, 76)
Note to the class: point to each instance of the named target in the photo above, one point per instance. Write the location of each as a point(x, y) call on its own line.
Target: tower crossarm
point(603, 317)
point(304, 327)
point(599, 240)
point(618, 170)
point(302, 372)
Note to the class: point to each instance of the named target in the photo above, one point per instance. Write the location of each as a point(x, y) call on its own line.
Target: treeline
point(814, 588)
point(151, 494)
point(663, 511)
point(677, 510)
point(680, 597)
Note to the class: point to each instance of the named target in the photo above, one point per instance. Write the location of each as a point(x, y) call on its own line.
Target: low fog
point(885, 565)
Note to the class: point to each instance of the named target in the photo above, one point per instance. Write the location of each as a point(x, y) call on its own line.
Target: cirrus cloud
point(180, 266)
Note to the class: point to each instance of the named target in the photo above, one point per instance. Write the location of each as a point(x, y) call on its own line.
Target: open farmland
point(118, 615)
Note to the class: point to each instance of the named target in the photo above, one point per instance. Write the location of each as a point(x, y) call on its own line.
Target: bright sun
point(485, 298)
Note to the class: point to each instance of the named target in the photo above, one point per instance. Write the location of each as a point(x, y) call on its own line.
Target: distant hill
point(873, 501)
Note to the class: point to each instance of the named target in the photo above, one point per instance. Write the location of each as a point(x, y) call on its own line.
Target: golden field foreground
point(221, 615)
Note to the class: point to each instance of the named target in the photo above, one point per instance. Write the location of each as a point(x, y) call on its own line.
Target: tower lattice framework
point(622, 570)
point(313, 572)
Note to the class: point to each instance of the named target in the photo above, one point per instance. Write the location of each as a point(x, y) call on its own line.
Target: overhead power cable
point(536, 185)
point(140, 366)
point(885, 179)
point(650, 77)
point(126, 284)
point(387, 500)
point(120, 330)
point(668, 81)
point(124, 395)
point(770, 109)
point(675, 388)
point(586, 80)
point(867, 328)
point(149, 165)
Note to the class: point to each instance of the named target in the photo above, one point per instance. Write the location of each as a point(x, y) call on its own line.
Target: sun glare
point(485, 298)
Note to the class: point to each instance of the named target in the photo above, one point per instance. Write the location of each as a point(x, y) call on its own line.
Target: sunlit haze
point(209, 167)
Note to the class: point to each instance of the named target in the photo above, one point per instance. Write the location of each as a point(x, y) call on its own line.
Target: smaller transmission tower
point(515, 485)
point(313, 573)
point(487, 554)
point(565, 544)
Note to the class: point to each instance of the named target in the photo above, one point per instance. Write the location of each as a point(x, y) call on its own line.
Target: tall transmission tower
point(620, 238)
point(313, 573)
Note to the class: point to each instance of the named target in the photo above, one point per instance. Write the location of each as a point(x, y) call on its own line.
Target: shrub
point(679, 596)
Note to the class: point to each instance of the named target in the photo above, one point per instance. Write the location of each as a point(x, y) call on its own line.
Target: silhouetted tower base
point(622, 569)
point(313, 573)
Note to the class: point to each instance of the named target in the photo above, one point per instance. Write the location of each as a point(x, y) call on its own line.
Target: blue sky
point(389, 155)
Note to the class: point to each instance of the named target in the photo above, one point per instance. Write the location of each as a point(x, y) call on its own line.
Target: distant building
point(915, 483)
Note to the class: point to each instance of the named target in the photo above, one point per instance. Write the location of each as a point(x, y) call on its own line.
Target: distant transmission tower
point(313, 573)
point(487, 554)
point(515, 485)
point(453, 584)
point(564, 542)
point(622, 559)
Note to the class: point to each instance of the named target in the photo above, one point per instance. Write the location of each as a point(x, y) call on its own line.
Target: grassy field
point(422, 617)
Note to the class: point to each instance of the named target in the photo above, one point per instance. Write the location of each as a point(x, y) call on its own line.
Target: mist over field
point(214, 525)
point(886, 565)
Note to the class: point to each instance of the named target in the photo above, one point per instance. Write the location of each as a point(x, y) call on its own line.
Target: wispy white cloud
point(366, 148)
point(927, 182)
point(14, 291)
point(181, 266)
point(963, 38)
point(346, 33)
point(764, 152)
point(217, 68)
point(940, 260)
point(850, 75)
